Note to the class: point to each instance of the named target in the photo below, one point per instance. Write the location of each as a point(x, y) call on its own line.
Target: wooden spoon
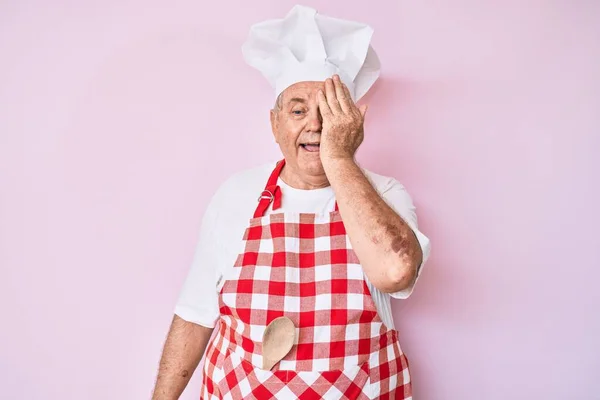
point(278, 340)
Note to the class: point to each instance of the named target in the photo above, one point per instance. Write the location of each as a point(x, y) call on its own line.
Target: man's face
point(296, 125)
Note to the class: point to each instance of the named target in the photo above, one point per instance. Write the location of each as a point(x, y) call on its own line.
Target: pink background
point(118, 119)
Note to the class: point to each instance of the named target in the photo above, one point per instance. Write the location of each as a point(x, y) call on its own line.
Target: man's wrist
point(338, 167)
point(336, 162)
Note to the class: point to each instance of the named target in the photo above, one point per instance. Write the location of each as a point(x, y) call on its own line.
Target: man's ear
point(274, 124)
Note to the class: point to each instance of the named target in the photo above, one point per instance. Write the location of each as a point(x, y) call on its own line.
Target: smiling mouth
point(311, 147)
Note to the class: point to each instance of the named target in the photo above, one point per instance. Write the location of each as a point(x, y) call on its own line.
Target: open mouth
point(311, 147)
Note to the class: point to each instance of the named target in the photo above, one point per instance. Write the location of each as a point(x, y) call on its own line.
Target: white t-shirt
point(226, 219)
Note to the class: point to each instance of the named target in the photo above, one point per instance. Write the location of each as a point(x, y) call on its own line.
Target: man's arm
point(182, 352)
point(385, 244)
point(387, 247)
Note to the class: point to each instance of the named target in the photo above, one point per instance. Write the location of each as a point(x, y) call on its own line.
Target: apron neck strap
point(272, 193)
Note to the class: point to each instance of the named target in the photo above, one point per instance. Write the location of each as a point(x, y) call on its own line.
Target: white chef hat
point(307, 46)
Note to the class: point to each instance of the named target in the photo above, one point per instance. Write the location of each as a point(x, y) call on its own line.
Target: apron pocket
point(348, 383)
point(241, 379)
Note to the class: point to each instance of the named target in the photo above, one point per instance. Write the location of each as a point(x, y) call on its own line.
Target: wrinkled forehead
point(306, 91)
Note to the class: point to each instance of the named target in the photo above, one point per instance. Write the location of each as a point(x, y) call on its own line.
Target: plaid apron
point(301, 266)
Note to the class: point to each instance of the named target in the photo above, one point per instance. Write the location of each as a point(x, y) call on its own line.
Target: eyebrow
point(296, 100)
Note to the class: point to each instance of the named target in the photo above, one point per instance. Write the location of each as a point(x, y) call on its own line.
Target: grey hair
point(278, 102)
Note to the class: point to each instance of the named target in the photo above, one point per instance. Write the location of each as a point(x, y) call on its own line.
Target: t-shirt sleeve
point(198, 301)
point(397, 197)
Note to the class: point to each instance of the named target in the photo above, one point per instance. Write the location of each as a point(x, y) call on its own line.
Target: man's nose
point(315, 121)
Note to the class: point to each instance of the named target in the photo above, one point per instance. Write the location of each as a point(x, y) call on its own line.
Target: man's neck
point(304, 182)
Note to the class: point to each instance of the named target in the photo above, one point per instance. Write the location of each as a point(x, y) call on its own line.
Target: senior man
point(300, 294)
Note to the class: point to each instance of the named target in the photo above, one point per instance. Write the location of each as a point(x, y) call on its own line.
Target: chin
point(313, 167)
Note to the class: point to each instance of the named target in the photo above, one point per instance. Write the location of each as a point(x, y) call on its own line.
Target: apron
point(301, 266)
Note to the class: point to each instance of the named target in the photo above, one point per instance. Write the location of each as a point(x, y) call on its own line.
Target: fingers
point(353, 107)
point(342, 94)
point(347, 94)
point(332, 100)
point(337, 99)
point(323, 105)
point(363, 110)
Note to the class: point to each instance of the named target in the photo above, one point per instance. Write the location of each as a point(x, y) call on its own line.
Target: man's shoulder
point(246, 181)
point(382, 183)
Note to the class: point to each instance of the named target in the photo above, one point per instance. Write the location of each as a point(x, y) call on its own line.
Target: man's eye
point(297, 112)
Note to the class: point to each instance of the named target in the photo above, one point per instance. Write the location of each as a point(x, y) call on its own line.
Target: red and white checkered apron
point(301, 266)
